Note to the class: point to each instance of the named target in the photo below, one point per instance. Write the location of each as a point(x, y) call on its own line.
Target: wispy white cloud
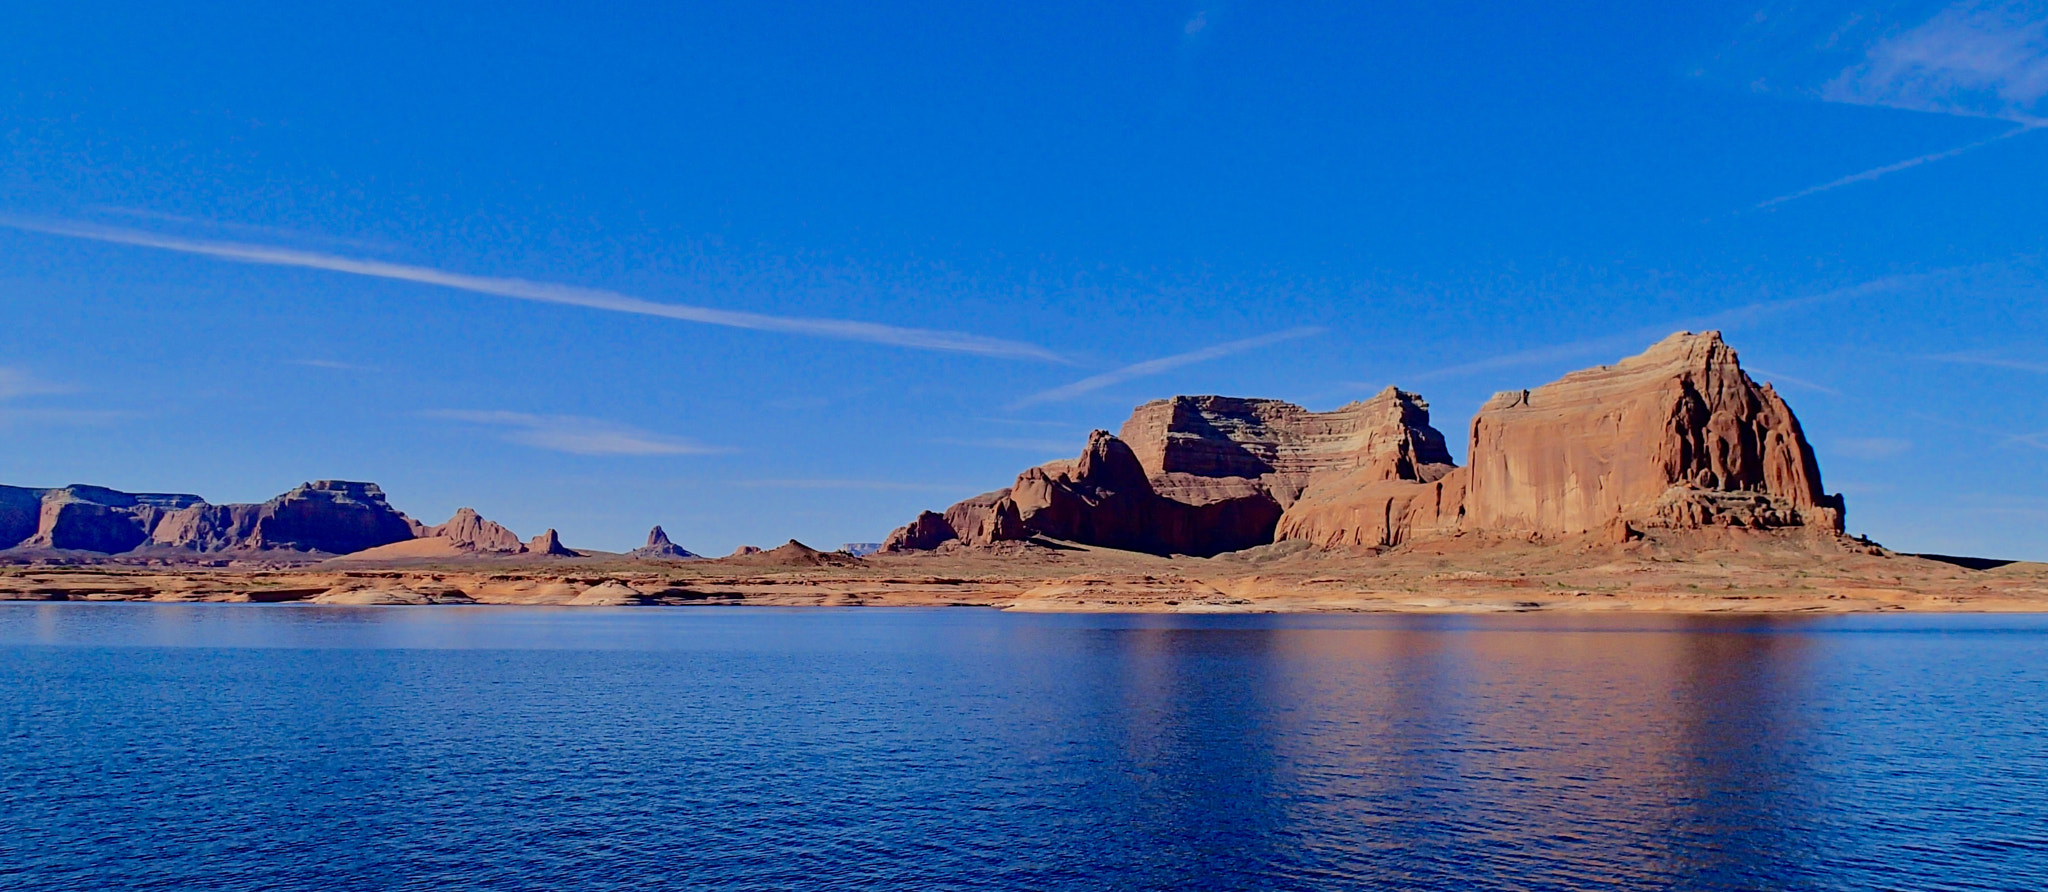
point(1782, 378)
point(1996, 362)
point(546, 292)
point(1017, 444)
point(1972, 59)
point(575, 434)
point(1907, 164)
point(43, 415)
point(16, 383)
point(331, 365)
point(1872, 448)
point(1976, 59)
point(1642, 337)
point(1162, 364)
point(851, 484)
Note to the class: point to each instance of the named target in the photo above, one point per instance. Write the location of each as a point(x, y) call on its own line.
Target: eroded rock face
point(1197, 475)
point(1187, 443)
point(470, 532)
point(1678, 436)
point(1104, 498)
point(930, 530)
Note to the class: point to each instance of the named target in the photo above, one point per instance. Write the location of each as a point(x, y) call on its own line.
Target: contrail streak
point(1164, 363)
point(545, 292)
point(1726, 319)
point(1876, 172)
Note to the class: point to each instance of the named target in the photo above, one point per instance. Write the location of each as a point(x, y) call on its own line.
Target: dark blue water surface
point(286, 747)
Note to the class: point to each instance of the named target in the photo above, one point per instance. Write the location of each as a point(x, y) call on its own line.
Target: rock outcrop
point(550, 544)
point(789, 554)
point(930, 530)
point(658, 547)
point(469, 532)
point(1676, 438)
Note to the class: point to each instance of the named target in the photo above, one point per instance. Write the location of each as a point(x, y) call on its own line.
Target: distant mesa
point(1677, 438)
point(860, 549)
point(322, 517)
point(744, 550)
point(658, 547)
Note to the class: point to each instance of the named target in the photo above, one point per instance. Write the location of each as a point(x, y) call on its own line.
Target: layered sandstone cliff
point(1195, 475)
point(1678, 437)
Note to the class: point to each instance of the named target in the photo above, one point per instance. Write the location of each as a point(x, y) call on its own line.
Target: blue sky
point(755, 271)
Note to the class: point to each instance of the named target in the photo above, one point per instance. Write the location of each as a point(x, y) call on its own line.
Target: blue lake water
point(288, 747)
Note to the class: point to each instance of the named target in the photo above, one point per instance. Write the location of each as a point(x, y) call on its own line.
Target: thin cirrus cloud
point(575, 435)
point(1016, 444)
point(547, 292)
point(1636, 340)
point(15, 383)
point(1163, 364)
point(890, 485)
point(1996, 362)
point(1971, 59)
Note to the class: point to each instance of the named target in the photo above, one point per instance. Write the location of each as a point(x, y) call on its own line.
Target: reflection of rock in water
point(1742, 738)
point(1199, 718)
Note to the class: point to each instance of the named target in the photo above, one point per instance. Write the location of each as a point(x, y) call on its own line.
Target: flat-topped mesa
point(334, 517)
point(1283, 445)
point(331, 516)
point(1677, 437)
point(89, 518)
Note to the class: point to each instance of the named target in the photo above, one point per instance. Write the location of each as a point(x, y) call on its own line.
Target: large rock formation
point(1678, 437)
point(1196, 475)
point(330, 516)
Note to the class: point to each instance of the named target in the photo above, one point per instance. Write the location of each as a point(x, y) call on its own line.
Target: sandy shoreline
point(1734, 573)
